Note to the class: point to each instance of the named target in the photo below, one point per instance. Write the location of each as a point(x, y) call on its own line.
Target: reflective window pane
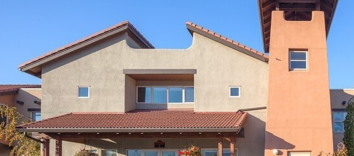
point(36, 116)
point(168, 153)
point(144, 94)
point(298, 64)
point(108, 152)
point(134, 152)
point(338, 127)
point(189, 94)
point(175, 94)
point(235, 91)
point(298, 56)
point(339, 116)
point(151, 153)
point(209, 152)
point(83, 91)
point(160, 94)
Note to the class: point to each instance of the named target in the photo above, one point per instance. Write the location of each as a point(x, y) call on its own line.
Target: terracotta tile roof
point(143, 120)
point(125, 23)
point(13, 88)
point(219, 37)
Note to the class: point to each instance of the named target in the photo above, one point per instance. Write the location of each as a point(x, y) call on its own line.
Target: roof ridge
point(228, 40)
point(80, 41)
point(33, 122)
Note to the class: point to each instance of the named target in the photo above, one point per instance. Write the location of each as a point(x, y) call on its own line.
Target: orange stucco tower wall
point(299, 111)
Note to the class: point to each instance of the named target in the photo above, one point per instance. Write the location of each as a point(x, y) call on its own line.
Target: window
point(189, 94)
point(298, 60)
point(110, 152)
point(36, 116)
point(3, 121)
point(235, 92)
point(165, 94)
point(299, 154)
point(84, 92)
point(214, 152)
point(338, 118)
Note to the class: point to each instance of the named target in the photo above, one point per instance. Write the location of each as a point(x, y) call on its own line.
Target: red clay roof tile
point(143, 119)
point(15, 87)
point(83, 40)
point(227, 39)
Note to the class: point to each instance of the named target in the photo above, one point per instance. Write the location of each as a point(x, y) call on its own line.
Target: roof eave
point(262, 27)
point(125, 130)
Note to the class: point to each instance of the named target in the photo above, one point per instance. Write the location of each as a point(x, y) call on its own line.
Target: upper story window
point(235, 92)
point(84, 92)
point(298, 60)
point(338, 118)
point(36, 116)
point(165, 94)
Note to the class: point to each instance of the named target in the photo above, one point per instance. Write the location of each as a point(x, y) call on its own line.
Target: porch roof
point(141, 121)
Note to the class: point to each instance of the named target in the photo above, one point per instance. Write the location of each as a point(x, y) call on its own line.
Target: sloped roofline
point(123, 26)
point(192, 27)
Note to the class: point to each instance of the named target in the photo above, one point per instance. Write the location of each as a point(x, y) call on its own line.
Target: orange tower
point(299, 111)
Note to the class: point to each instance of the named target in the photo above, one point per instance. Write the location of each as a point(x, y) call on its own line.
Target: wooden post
point(232, 146)
point(220, 146)
point(58, 147)
point(46, 147)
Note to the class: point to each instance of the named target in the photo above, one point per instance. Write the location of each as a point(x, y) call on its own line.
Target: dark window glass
point(234, 91)
point(160, 94)
point(189, 94)
point(298, 56)
point(144, 94)
point(83, 91)
point(175, 94)
point(298, 65)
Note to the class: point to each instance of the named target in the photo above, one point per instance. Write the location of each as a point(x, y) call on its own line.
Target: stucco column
point(232, 146)
point(46, 147)
point(58, 147)
point(220, 146)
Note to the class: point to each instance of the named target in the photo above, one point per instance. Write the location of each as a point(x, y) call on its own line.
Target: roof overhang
point(34, 67)
point(161, 74)
point(226, 41)
point(293, 10)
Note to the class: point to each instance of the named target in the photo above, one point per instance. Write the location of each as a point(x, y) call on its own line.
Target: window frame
point(103, 151)
point(306, 60)
point(239, 91)
point(168, 95)
point(203, 149)
point(88, 92)
point(337, 121)
point(33, 113)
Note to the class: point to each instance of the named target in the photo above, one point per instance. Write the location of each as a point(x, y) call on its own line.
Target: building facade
point(113, 93)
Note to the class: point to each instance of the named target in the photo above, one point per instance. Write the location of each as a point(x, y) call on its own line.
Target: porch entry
point(174, 152)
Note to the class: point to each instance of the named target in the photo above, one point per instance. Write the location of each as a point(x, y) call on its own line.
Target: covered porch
point(143, 132)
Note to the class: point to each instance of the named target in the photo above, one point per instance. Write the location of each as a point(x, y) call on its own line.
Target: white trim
point(239, 91)
point(306, 60)
point(88, 92)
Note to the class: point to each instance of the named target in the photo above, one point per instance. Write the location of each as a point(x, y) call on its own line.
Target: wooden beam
point(143, 135)
point(219, 146)
point(232, 146)
point(46, 147)
point(58, 147)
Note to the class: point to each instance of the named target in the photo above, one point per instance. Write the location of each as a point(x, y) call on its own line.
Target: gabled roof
point(141, 121)
point(192, 27)
point(29, 66)
point(13, 88)
point(293, 10)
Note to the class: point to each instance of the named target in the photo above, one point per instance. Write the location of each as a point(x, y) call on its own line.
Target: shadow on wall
point(277, 143)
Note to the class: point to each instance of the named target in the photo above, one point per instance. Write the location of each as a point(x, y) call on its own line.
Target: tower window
point(298, 60)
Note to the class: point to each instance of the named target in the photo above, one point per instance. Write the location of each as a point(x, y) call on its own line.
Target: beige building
point(26, 99)
point(113, 93)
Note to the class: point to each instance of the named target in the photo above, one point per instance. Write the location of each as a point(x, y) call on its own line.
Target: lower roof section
point(141, 121)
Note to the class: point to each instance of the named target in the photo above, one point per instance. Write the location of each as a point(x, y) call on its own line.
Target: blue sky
point(32, 28)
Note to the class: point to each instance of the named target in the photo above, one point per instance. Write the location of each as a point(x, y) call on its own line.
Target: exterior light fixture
point(344, 102)
point(275, 151)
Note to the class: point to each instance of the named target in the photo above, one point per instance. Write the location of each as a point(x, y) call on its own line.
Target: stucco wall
point(28, 96)
point(337, 97)
point(101, 65)
point(299, 112)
